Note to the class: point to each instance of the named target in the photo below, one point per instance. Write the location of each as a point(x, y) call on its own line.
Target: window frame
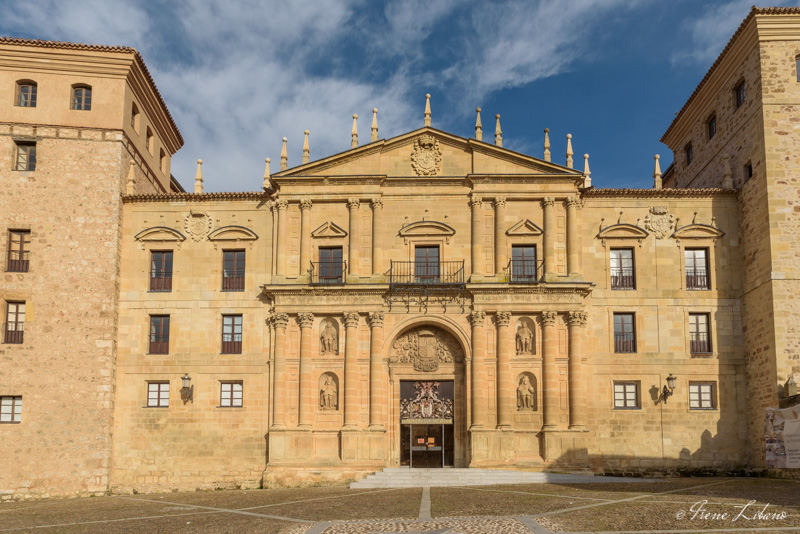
point(688, 153)
point(16, 415)
point(22, 263)
point(527, 274)
point(162, 160)
point(231, 394)
point(236, 282)
point(711, 127)
point(694, 287)
point(632, 276)
point(747, 171)
point(29, 148)
point(331, 270)
point(740, 94)
point(17, 335)
point(158, 347)
point(85, 101)
point(161, 284)
point(694, 343)
point(161, 401)
point(637, 397)
point(31, 96)
point(149, 140)
point(232, 346)
point(712, 395)
point(618, 344)
point(135, 117)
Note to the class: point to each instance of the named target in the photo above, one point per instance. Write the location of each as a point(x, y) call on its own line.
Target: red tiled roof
point(170, 197)
point(627, 192)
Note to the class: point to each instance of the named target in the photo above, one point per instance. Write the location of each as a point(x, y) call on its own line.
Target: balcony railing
point(624, 342)
point(159, 344)
point(697, 280)
point(160, 280)
point(699, 345)
point(525, 271)
point(233, 280)
point(14, 332)
point(328, 272)
point(232, 347)
point(18, 265)
point(622, 279)
point(438, 273)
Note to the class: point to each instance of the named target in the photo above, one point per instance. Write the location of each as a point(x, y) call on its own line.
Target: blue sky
point(239, 76)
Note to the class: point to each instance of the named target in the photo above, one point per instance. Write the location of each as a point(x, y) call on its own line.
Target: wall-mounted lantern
point(668, 389)
point(187, 391)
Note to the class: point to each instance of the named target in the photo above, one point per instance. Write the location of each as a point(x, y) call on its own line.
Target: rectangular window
point(82, 98)
point(524, 267)
point(624, 333)
point(18, 253)
point(622, 275)
point(230, 394)
point(702, 396)
point(161, 270)
point(696, 260)
point(15, 322)
point(689, 153)
point(26, 157)
point(426, 264)
point(159, 334)
point(26, 95)
point(331, 267)
point(233, 270)
point(231, 334)
point(11, 409)
point(158, 394)
point(748, 171)
point(626, 395)
point(741, 94)
point(712, 127)
point(699, 333)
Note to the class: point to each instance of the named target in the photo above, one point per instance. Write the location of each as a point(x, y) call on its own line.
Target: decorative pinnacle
point(427, 109)
point(284, 157)
point(129, 186)
point(569, 150)
point(267, 175)
point(657, 173)
point(587, 174)
point(198, 177)
point(498, 133)
point(305, 147)
point(727, 175)
point(547, 144)
point(354, 132)
point(374, 136)
point(478, 126)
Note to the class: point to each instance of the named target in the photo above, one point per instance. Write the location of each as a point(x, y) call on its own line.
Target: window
point(331, 266)
point(161, 270)
point(797, 67)
point(233, 270)
point(712, 126)
point(135, 117)
point(26, 94)
point(689, 153)
point(426, 264)
point(10, 409)
point(626, 395)
point(15, 322)
point(149, 140)
point(230, 394)
point(162, 161)
point(748, 171)
point(696, 260)
point(26, 156)
point(18, 255)
point(624, 333)
point(702, 396)
point(158, 394)
point(159, 334)
point(81, 97)
point(231, 334)
point(741, 94)
point(622, 276)
point(523, 264)
point(699, 334)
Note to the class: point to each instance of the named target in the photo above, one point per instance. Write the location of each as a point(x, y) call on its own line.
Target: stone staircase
point(405, 477)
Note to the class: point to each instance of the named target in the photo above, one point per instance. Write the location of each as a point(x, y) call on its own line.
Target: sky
point(238, 76)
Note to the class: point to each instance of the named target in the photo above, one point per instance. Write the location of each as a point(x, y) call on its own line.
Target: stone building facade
point(420, 300)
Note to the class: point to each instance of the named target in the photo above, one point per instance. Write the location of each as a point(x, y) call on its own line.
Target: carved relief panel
point(426, 347)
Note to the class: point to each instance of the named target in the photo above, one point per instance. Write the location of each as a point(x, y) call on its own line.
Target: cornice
point(658, 193)
point(198, 197)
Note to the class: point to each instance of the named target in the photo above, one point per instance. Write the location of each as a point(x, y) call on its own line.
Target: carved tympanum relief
point(197, 224)
point(426, 347)
point(526, 392)
point(329, 337)
point(659, 221)
point(524, 337)
point(328, 392)
point(426, 157)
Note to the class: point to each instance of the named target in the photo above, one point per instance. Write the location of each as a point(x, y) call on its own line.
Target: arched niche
point(526, 392)
point(525, 336)
point(329, 337)
point(328, 392)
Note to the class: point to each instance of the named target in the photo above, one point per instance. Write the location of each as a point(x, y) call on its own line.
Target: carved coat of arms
point(659, 221)
point(197, 224)
point(426, 157)
point(426, 348)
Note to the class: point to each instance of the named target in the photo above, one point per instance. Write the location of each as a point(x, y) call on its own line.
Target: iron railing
point(622, 278)
point(699, 344)
point(624, 342)
point(160, 280)
point(14, 332)
point(328, 272)
point(426, 272)
point(233, 279)
point(525, 271)
point(697, 279)
point(18, 262)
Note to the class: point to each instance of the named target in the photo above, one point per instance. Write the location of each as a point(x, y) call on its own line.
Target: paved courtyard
point(646, 506)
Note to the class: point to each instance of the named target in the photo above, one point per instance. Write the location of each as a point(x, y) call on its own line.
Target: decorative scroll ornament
point(197, 224)
point(426, 405)
point(659, 221)
point(426, 158)
point(425, 348)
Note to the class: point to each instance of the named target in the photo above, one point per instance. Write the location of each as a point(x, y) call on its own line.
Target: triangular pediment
point(525, 227)
point(623, 231)
point(160, 233)
point(698, 231)
point(328, 229)
point(232, 233)
point(426, 229)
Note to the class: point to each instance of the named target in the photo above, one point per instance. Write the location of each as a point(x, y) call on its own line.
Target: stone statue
point(328, 395)
point(524, 339)
point(329, 339)
point(525, 394)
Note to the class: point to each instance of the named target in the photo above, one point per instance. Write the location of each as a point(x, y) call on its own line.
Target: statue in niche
point(329, 339)
point(329, 395)
point(525, 394)
point(524, 339)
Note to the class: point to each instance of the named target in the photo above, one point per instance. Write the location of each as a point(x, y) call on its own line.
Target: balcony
point(17, 266)
point(426, 273)
point(160, 281)
point(525, 271)
point(622, 279)
point(624, 342)
point(233, 280)
point(14, 333)
point(328, 272)
point(699, 344)
point(697, 279)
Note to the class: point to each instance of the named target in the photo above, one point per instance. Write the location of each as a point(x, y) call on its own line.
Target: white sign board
point(783, 437)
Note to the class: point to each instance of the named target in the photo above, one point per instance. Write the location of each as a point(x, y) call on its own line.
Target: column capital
point(477, 318)
point(280, 320)
point(305, 204)
point(282, 204)
point(353, 203)
point(475, 201)
point(577, 318)
point(351, 319)
point(377, 203)
point(549, 318)
point(503, 318)
point(500, 202)
point(375, 319)
point(305, 319)
point(572, 202)
point(548, 202)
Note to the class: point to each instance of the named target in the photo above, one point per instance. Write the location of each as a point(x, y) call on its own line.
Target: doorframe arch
point(445, 323)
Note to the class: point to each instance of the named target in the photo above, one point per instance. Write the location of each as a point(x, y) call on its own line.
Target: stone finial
point(428, 109)
point(354, 132)
point(267, 175)
point(547, 144)
point(131, 182)
point(657, 173)
point(284, 157)
point(498, 133)
point(374, 136)
point(305, 147)
point(727, 175)
point(587, 174)
point(569, 150)
point(198, 177)
point(478, 126)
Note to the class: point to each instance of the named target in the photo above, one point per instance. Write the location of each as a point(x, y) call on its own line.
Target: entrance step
point(404, 477)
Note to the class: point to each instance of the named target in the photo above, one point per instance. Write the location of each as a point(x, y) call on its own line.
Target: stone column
point(305, 236)
point(505, 387)
point(305, 408)
point(549, 238)
point(549, 370)
point(500, 252)
point(283, 232)
point(573, 238)
point(350, 370)
point(354, 238)
point(577, 374)
point(376, 420)
point(479, 389)
point(477, 235)
point(279, 322)
point(377, 246)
